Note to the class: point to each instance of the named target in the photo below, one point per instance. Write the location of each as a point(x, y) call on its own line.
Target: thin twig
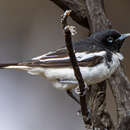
point(78, 75)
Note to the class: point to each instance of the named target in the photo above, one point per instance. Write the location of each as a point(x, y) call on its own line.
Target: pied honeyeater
point(98, 58)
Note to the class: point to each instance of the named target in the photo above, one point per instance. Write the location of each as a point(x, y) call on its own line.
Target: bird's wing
point(60, 58)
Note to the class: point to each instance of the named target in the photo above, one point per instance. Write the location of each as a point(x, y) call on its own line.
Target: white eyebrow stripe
point(79, 55)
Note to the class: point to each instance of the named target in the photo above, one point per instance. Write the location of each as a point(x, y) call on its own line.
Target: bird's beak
point(123, 36)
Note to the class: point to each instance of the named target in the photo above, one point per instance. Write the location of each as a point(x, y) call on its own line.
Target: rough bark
point(91, 14)
point(96, 16)
point(121, 90)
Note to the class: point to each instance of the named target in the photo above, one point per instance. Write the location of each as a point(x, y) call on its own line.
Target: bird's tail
point(20, 66)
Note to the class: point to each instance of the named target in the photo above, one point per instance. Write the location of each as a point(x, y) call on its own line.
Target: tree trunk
point(91, 15)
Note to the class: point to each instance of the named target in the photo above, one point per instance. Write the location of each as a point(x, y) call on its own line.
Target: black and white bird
point(98, 58)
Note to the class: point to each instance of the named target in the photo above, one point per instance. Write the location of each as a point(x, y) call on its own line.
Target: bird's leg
point(70, 93)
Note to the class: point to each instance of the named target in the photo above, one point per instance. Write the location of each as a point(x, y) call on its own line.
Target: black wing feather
point(60, 58)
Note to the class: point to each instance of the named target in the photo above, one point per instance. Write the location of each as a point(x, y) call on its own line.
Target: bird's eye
point(110, 39)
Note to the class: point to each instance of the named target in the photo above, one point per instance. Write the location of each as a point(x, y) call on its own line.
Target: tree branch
point(78, 75)
point(96, 16)
point(78, 14)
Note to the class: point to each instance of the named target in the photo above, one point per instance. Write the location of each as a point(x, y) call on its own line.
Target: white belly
point(91, 75)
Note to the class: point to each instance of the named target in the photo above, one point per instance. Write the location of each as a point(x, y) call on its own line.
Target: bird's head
point(110, 39)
